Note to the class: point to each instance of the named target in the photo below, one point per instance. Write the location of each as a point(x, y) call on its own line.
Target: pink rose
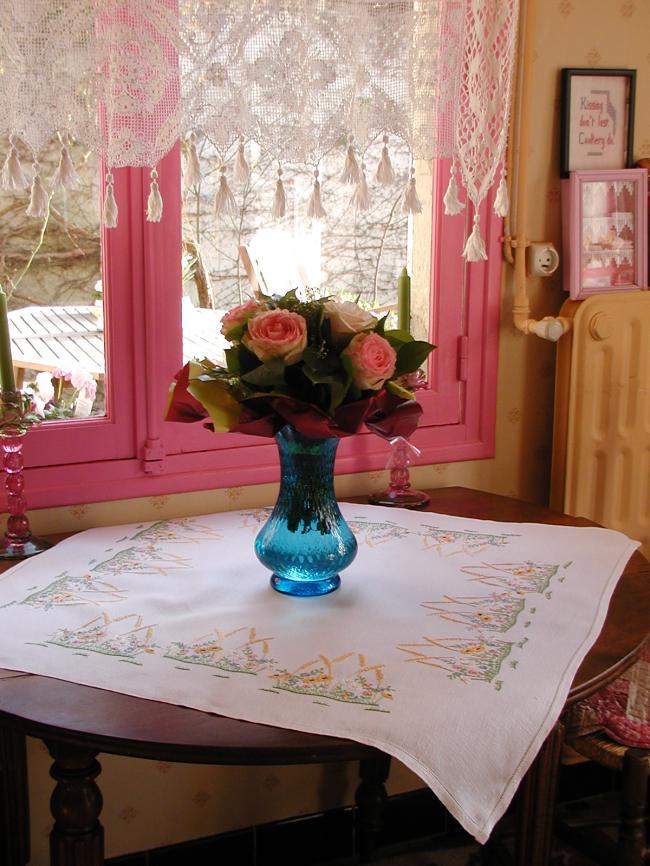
point(240, 315)
point(277, 334)
point(373, 359)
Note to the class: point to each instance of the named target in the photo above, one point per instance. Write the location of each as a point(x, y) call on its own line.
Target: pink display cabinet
point(605, 231)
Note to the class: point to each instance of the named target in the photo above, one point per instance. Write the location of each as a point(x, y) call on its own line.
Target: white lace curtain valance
point(129, 78)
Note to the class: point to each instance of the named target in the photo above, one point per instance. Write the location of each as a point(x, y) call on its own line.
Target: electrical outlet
point(542, 259)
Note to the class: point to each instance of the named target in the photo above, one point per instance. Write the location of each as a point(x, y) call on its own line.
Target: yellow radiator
point(601, 437)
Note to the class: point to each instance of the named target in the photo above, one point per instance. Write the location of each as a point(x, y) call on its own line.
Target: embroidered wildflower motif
point(255, 517)
point(183, 531)
point(147, 559)
point(347, 678)
point(496, 612)
point(69, 590)
point(519, 576)
point(478, 658)
point(109, 636)
point(446, 542)
point(225, 650)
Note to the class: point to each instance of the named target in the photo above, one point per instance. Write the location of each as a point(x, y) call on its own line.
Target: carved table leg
point(77, 838)
point(370, 797)
point(14, 800)
point(536, 804)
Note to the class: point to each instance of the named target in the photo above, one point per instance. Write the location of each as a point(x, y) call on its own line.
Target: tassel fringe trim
point(411, 203)
point(154, 202)
point(13, 176)
point(224, 201)
point(242, 169)
point(110, 205)
point(451, 201)
point(501, 202)
point(385, 174)
point(315, 209)
point(38, 200)
point(475, 247)
point(350, 174)
point(280, 199)
point(65, 175)
point(361, 196)
point(192, 173)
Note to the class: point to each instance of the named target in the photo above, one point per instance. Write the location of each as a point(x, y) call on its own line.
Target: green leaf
point(397, 389)
point(398, 338)
point(247, 360)
point(379, 327)
point(267, 375)
point(315, 360)
point(234, 335)
point(232, 360)
point(411, 355)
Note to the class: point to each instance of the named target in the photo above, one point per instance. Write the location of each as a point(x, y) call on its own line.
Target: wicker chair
point(634, 764)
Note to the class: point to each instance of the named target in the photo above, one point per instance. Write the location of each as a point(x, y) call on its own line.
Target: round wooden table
point(77, 722)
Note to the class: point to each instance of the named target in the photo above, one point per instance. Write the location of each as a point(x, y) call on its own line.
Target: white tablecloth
point(451, 644)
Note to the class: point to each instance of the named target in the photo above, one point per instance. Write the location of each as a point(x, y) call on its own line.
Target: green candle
point(6, 364)
point(404, 301)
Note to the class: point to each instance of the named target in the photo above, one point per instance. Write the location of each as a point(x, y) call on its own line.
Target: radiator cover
point(601, 437)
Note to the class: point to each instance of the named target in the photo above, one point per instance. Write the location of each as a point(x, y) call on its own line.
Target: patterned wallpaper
point(149, 804)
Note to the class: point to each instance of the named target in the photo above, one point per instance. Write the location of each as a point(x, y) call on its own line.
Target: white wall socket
point(542, 259)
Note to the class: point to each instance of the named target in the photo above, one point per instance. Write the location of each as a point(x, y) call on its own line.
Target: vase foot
point(408, 498)
point(305, 587)
point(21, 549)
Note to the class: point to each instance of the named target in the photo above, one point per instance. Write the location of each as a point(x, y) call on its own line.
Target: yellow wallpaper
point(149, 804)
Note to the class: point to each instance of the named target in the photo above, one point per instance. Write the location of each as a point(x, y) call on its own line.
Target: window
point(130, 451)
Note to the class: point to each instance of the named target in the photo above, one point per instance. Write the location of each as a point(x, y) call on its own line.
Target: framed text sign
point(597, 122)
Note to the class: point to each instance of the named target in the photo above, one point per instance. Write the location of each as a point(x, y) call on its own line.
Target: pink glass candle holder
point(18, 541)
point(399, 492)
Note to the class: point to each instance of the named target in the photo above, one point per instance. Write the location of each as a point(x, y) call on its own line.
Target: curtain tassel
point(475, 248)
point(280, 199)
point(451, 201)
point(192, 173)
point(65, 174)
point(224, 201)
point(385, 174)
point(411, 203)
point(13, 176)
point(350, 173)
point(110, 205)
point(38, 199)
point(501, 202)
point(361, 197)
point(315, 209)
point(154, 202)
point(242, 168)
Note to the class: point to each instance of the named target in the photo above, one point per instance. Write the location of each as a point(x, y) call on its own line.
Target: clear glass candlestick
point(18, 541)
point(399, 492)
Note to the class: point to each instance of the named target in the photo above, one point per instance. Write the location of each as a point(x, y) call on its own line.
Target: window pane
point(352, 253)
point(50, 271)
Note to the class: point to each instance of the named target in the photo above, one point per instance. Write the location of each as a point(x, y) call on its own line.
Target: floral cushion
point(621, 709)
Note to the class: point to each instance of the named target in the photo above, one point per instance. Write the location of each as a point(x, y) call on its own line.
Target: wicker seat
point(634, 765)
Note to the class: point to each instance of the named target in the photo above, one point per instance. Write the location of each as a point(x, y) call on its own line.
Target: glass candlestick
point(399, 492)
point(18, 541)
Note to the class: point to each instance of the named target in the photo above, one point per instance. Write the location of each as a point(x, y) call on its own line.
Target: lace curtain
point(129, 78)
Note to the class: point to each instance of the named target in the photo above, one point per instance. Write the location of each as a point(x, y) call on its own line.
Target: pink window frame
point(133, 452)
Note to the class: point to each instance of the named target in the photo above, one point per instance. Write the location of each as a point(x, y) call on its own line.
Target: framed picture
point(605, 229)
point(597, 119)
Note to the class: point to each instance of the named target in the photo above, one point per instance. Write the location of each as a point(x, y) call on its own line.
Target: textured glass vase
point(305, 542)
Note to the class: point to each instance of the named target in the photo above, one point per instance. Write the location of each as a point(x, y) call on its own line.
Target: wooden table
point(77, 722)
point(67, 337)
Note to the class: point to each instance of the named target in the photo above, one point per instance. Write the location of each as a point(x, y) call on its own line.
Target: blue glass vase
point(306, 542)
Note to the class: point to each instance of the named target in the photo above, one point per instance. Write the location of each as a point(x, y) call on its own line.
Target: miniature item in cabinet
point(604, 220)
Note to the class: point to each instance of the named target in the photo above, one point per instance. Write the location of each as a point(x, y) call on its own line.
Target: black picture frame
point(592, 134)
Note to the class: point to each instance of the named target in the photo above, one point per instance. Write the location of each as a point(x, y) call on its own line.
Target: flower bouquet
point(307, 372)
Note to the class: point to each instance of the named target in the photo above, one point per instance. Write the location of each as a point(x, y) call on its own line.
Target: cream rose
point(373, 359)
point(347, 318)
point(276, 334)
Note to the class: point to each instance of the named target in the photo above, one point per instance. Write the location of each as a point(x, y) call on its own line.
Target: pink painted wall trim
point(133, 452)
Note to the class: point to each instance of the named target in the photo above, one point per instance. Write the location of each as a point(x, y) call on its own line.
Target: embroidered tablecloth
point(451, 644)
